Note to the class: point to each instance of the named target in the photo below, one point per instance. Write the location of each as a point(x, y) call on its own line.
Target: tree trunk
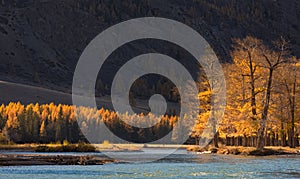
point(292, 110)
point(283, 140)
point(252, 83)
point(215, 140)
point(260, 143)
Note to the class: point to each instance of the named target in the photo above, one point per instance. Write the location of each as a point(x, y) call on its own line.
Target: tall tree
point(272, 60)
point(246, 56)
point(43, 132)
point(288, 86)
point(238, 119)
point(211, 104)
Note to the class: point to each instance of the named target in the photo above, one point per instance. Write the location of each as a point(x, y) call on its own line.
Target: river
point(178, 165)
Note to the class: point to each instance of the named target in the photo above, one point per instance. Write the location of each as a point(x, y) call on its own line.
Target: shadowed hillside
point(41, 41)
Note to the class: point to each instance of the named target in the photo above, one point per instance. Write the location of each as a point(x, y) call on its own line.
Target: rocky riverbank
point(37, 159)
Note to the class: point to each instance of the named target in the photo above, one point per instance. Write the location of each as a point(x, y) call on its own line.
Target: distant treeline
point(48, 123)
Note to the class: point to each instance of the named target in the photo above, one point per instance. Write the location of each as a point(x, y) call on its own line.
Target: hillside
point(26, 94)
point(41, 41)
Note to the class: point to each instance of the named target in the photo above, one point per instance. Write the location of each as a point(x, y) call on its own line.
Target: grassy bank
point(106, 146)
point(22, 147)
point(250, 151)
point(81, 147)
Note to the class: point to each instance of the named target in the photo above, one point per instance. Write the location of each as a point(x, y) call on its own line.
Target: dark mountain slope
point(41, 40)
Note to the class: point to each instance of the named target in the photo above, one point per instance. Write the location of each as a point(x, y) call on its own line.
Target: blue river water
point(178, 165)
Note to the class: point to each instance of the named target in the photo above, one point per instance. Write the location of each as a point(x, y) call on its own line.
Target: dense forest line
point(47, 123)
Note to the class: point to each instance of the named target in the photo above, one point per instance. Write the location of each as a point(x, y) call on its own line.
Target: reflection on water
point(178, 165)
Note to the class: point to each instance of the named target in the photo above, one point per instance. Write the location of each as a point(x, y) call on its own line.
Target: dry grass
point(239, 150)
point(81, 147)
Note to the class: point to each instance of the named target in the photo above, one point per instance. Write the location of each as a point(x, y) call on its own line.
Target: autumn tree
point(43, 132)
point(246, 56)
point(238, 119)
point(287, 87)
point(211, 104)
point(272, 59)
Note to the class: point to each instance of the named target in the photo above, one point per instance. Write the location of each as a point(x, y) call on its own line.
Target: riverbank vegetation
point(247, 151)
point(81, 147)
